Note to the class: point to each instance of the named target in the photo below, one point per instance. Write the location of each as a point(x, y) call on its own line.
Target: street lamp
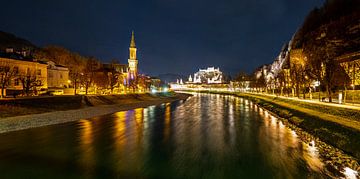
point(317, 84)
point(353, 87)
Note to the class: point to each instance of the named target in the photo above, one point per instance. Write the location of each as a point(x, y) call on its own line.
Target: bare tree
point(87, 77)
point(122, 82)
point(58, 54)
point(322, 52)
point(282, 82)
point(29, 81)
point(7, 72)
point(76, 68)
point(297, 74)
point(101, 81)
point(113, 75)
point(260, 83)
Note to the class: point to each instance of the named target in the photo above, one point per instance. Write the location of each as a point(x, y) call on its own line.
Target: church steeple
point(132, 42)
point(132, 48)
point(133, 62)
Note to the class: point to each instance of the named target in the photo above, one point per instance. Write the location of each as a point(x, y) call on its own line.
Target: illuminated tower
point(133, 62)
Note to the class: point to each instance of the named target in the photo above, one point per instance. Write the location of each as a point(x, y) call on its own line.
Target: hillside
point(337, 23)
point(8, 40)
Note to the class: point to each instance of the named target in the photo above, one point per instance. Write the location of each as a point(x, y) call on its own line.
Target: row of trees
point(89, 72)
point(84, 73)
point(327, 33)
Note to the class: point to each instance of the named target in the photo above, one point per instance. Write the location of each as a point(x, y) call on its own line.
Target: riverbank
point(333, 125)
point(80, 107)
point(330, 128)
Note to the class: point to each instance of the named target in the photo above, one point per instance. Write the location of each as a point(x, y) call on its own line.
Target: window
point(17, 82)
point(38, 72)
point(50, 74)
point(61, 76)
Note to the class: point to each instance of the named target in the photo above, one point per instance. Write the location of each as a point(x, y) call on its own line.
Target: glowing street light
point(317, 84)
point(165, 89)
point(353, 86)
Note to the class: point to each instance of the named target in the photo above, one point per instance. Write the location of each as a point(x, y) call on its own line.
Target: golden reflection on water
point(128, 135)
point(86, 146)
point(167, 121)
point(281, 142)
point(139, 114)
point(216, 134)
point(211, 125)
point(284, 139)
point(120, 129)
point(233, 105)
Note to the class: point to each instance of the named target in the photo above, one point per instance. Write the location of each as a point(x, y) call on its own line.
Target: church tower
point(133, 62)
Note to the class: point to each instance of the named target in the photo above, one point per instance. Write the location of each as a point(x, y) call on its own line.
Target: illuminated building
point(24, 68)
point(133, 62)
point(211, 75)
point(128, 73)
point(57, 75)
point(351, 64)
point(48, 74)
point(190, 78)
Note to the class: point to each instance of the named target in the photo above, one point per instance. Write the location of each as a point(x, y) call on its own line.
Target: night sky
point(172, 36)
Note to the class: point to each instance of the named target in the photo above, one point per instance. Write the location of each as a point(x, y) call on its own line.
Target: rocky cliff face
point(337, 23)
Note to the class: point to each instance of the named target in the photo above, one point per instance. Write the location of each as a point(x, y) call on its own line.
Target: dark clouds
point(176, 36)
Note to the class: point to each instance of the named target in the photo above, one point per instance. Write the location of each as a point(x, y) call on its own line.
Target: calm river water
point(206, 136)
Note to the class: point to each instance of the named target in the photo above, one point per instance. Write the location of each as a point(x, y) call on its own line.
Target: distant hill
point(170, 77)
point(8, 40)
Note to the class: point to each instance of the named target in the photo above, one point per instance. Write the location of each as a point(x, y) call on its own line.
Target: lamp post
point(353, 87)
point(317, 84)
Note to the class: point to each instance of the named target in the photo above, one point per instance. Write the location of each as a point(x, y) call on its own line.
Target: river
point(206, 136)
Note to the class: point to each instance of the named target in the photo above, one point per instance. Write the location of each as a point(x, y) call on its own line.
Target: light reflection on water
point(207, 136)
point(86, 159)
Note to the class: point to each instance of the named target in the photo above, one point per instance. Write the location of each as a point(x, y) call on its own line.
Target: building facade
point(351, 64)
point(132, 61)
point(24, 69)
point(38, 76)
point(57, 75)
point(211, 75)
